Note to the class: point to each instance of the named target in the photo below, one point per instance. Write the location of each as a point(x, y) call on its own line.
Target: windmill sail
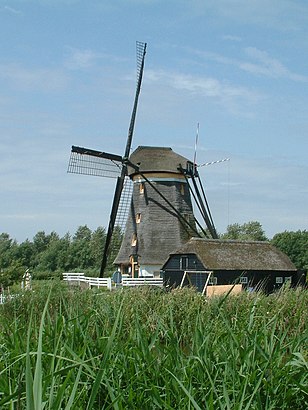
point(124, 205)
point(141, 50)
point(89, 162)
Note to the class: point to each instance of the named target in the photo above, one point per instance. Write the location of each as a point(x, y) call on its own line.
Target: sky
point(238, 68)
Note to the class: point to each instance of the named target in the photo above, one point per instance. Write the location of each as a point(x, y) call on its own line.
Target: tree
point(25, 254)
point(12, 274)
point(8, 247)
point(97, 246)
point(115, 245)
point(80, 249)
point(250, 231)
point(295, 245)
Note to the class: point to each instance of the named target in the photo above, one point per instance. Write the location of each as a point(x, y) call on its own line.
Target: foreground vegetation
point(148, 349)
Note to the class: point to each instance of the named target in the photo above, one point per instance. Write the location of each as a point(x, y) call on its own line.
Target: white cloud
point(80, 59)
point(11, 10)
point(229, 37)
point(259, 63)
point(268, 66)
point(202, 86)
point(34, 78)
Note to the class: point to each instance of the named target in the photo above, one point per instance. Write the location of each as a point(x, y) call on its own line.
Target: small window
point(141, 188)
point(244, 280)
point(138, 218)
point(182, 189)
point(288, 279)
point(134, 240)
point(183, 262)
point(213, 280)
point(190, 168)
point(279, 279)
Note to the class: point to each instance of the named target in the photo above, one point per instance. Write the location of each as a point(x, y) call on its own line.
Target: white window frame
point(213, 280)
point(244, 280)
point(279, 280)
point(184, 266)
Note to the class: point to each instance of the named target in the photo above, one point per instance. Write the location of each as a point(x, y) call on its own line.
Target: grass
point(149, 349)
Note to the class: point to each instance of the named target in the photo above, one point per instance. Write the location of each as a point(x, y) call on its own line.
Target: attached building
point(252, 264)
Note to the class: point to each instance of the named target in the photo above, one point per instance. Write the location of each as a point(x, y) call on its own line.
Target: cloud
point(80, 59)
point(259, 63)
point(11, 10)
point(202, 86)
point(268, 66)
point(34, 78)
point(229, 37)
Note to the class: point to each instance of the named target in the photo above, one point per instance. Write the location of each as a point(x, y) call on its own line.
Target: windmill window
point(182, 189)
point(244, 280)
point(134, 240)
point(279, 279)
point(138, 218)
point(141, 188)
point(288, 279)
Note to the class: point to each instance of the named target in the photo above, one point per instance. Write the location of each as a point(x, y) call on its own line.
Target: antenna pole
point(196, 143)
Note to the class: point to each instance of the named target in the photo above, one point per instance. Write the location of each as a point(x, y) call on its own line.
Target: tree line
point(49, 255)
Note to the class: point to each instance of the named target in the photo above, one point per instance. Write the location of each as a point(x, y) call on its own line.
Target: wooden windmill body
point(161, 215)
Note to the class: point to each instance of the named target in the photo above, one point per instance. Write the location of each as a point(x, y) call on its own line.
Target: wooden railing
point(142, 282)
point(79, 279)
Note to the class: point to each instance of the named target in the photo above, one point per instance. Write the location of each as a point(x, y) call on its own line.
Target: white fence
point(79, 279)
point(142, 282)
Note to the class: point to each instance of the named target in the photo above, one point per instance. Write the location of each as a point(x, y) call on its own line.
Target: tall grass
point(148, 349)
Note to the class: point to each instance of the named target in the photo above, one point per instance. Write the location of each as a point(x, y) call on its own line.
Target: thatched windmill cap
point(157, 159)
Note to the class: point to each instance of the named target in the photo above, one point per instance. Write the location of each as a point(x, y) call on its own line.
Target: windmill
point(157, 185)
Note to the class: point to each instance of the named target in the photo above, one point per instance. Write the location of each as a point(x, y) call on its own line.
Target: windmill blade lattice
point(86, 164)
point(124, 204)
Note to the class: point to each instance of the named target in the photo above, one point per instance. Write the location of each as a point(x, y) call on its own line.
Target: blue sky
point(67, 77)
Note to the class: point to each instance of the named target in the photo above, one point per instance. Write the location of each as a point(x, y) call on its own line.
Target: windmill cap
point(157, 159)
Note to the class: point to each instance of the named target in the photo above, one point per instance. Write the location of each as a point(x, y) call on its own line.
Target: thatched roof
point(218, 254)
point(156, 159)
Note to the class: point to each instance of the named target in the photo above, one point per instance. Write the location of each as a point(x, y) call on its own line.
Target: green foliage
point(12, 274)
point(48, 255)
point(148, 349)
point(295, 245)
point(250, 231)
point(8, 248)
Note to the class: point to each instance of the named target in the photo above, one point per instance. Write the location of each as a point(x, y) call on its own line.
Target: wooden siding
point(160, 230)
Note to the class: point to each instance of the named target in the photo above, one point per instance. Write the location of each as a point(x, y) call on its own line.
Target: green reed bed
point(151, 349)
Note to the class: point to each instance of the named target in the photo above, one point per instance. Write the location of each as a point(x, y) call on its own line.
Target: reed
point(151, 349)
